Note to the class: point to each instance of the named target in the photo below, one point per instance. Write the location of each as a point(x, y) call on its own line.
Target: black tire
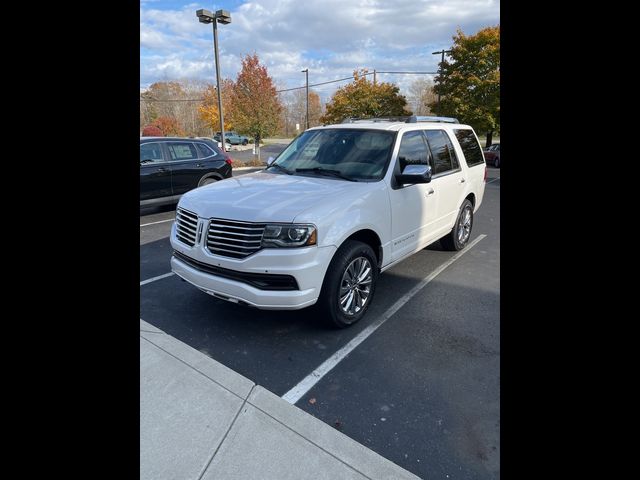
point(207, 181)
point(496, 162)
point(245, 141)
point(456, 240)
point(329, 302)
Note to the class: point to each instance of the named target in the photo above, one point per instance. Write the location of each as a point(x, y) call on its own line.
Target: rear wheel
point(245, 141)
point(349, 284)
point(461, 232)
point(496, 162)
point(207, 181)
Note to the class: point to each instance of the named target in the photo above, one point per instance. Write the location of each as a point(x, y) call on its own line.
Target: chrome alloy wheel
point(355, 286)
point(464, 228)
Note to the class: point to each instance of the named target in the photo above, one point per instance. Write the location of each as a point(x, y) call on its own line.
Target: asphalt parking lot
point(423, 390)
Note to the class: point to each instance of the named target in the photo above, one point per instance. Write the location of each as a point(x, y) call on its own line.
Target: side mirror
point(270, 160)
point(415, 174)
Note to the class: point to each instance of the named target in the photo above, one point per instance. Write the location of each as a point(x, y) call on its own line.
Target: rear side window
point(413, 150)
point(151, 153)
point(444, 158)
point(182, 151)
point(470, 147)
point(205, 150)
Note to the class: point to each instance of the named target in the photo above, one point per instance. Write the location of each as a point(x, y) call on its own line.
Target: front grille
point(186, 225)
point(263, 281)
point(234, 239)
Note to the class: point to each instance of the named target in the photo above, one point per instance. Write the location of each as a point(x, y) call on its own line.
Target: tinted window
point(413, 150)
point(182, 151)
point(151, 152)
point(205, 150)
point(470, 147)
point(444, 158)
point(356, 153)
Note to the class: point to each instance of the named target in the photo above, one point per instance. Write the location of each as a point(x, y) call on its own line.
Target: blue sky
point(330, 37)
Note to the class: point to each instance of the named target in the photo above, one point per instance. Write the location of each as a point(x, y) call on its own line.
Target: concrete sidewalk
point(201, 420)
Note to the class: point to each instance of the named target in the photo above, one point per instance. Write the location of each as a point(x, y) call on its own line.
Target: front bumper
point(307, 265)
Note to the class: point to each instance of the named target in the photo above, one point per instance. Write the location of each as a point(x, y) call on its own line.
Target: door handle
point(430, 192)
point(162, 169)
point(199, 165)
point(462, 180)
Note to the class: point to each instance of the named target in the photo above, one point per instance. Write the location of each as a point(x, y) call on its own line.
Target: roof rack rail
point(375, 119)
point(422, 118)
point(405, 119)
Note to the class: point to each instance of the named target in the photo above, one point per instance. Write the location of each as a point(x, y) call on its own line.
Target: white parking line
point(297, 392)
point(154, 223)
point(497, 178)
point(159, 277)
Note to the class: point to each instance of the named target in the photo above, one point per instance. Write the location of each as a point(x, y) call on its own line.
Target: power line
point(296, 88)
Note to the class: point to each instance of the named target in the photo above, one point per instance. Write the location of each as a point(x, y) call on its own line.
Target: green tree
point(469, 82)
point(363, 98)
point(254, 108)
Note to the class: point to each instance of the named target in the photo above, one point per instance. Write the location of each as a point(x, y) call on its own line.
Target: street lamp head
point(204, 16)
point(223, 17)
point(305, 70)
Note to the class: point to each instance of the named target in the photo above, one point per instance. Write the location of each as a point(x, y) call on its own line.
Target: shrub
point(152, 131)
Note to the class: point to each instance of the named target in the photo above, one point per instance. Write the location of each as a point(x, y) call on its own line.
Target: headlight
point(289, 235)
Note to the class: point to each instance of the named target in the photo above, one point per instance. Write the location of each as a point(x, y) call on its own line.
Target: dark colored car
point(171, 166)
point(492, 155)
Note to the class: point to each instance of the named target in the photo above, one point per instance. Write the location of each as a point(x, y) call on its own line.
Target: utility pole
point(306, 72)
point(442, 52)
point(374, 76)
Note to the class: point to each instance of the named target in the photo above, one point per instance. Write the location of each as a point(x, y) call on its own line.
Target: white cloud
point(330, 37)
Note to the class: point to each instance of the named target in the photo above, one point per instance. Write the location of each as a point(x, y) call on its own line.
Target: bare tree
point(174, 100)
point(421, 95)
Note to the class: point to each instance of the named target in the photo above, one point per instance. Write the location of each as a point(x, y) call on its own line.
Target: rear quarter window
point(205, 150)
point(470, 147)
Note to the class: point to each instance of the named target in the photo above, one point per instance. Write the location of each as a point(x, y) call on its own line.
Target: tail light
point(228, 160)
point(485, 173)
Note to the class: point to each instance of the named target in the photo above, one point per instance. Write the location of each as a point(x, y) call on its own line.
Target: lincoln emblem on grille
point(200, 227)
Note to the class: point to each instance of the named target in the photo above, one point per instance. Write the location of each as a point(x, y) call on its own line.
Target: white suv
point(341, 204)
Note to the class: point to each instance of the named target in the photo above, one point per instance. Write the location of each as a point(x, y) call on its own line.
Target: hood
point(266, 197)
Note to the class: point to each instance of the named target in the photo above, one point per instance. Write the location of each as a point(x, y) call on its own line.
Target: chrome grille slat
point(235, 233)
point(187, 234)
point(188, 221)
point(232, 238)
point(186, 226)
point(250, 247)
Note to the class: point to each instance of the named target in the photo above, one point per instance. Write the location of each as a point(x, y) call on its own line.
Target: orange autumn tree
point(169, 127)
point(208, 109)
point(255, 108)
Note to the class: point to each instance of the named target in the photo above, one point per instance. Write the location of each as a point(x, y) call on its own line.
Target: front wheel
point(461, 232)
point(349, 284)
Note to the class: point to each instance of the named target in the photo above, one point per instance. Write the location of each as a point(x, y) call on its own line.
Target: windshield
point(356, 154)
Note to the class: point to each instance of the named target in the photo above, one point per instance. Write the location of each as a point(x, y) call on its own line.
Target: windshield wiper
point(325, 171)
point(282, 169)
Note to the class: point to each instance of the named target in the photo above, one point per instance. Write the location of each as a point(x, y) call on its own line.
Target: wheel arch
point(215, 175)
point(371, 238)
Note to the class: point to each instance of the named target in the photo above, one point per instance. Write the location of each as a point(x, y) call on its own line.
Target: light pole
point(223, 17)
point(306, 72)
point(442, 52)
